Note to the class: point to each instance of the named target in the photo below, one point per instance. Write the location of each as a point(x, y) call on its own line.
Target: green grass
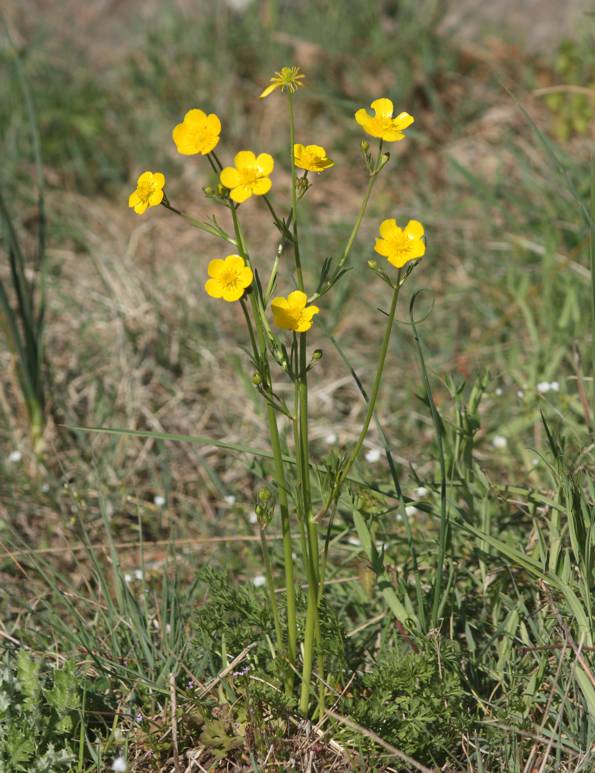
point(489, 667)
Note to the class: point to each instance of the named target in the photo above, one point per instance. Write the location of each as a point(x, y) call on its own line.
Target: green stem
point(377, 381)
point(592, 251)
point(278, 466)
point(312, 630)
point(363, 208)
point(298, 263)
point(271, 589)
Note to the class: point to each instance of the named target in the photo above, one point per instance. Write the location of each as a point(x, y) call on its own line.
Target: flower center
point(145, 190)
point(248, 176)
point(229, 279)
point(402, 244)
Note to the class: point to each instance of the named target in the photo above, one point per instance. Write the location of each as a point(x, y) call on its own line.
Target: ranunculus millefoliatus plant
point(281, 309)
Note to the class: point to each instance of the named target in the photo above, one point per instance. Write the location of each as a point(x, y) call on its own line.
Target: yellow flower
point(291, 313)
point(400, 245)
point(198, 133)
point(148, 193)
point(289, 78)
point(382, 124)
point(228, 278)
point(250, 175)
point(313, 158)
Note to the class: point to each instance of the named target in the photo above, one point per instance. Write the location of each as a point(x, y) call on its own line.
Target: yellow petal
point(418, 250)
point(403, 120)
point(185, 144)
point(230, 177)
point(390, 135)
point(297, 299)
point(245, 276)
point(261, 186)
point(265, 163)
point(155, 198)
point(159, 179)
point(279, 304)
point(195, 118)
point(269, 90)
point(241, 193)
point(133, 199)
point(245, 159)
point(363, 117)
point(214, 288)
point(382, 247)
point(383, 108)
point(141, 207)
point(214, 124)
point(232, 293)
point(215, 267)
point(234, 262)
point(389, 229)
point(414, 229)
point(145, 178)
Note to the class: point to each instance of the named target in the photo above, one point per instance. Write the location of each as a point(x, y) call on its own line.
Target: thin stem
point(312, 630)
point(298, 262)
point(271, 588)
point(377, 381)
point(592, 251)
point(278, 467)
point(363, 208)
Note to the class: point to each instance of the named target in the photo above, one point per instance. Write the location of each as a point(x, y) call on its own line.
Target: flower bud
point(364, 145)
point(373, 265)
point(264, 495)
point(256, 379)
point(317, 355)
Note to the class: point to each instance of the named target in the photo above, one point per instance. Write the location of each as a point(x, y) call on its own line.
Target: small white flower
point(167, 628)
point(127, 578)
point(420, 492)
point(411, 510)
point(498, 392)
point(354, 541)
point(119, 765)
point(253, 518)
point(499, 441)
point(373, 455)
point(15, 456)
point(535, 461)
point(330, 439)
point(555, 386)
point(519, 393)
point(159, 501)
point(259, 581)
point(543, 387)
point(138, 575)
point(45, 487)
point(230, 499)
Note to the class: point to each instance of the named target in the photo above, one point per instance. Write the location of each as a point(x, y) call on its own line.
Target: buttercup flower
point(313, 158)
point(148, 193)
point(291, 313)
point(249, 177)
point(400, 245)
point(228, 278)
point(289, 78)
point(382, 124)
point(198, 133)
